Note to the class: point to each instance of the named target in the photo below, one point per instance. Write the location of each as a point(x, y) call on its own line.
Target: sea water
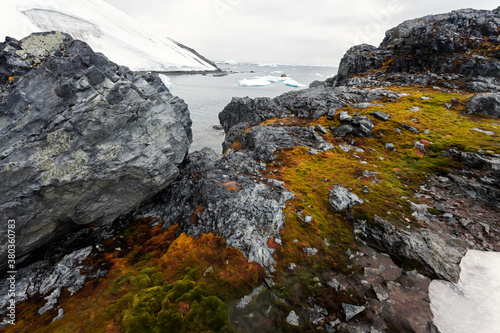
point(207, 95)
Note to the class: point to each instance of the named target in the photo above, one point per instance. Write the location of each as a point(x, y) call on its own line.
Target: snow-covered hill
point(106, 29)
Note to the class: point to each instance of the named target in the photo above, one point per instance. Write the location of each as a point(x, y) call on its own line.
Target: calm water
point(208, 95)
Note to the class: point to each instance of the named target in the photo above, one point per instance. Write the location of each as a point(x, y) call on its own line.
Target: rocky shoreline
point(342, 200)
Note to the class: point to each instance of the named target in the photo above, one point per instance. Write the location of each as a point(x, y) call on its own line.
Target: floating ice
point(231, 62)
point(269, 65)
point(271, 78)
point(254, 83)
point(292, 83)
point(166, 81)
point(320, 75)
point(473, 304)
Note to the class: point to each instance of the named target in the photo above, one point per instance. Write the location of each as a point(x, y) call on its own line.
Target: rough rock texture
point(82, 140)
point(48, 279)
point(224, 196)
point(341, 199)
point(487, 104)
point(442, 259)
point(460, 44)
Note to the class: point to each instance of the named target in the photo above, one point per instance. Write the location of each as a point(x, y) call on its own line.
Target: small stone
point(334, 283)
point(292, 266)
point(293, 319)
point(310, 251)
point(380, 292)
point(345, 117)
point(218, 127)
point(341, 199)
point(350, 311)
point(381, 116)
point(308, 219)
point(389, 146)
point(330, 115)
point(427, 132)
point(210, 270)
point(419, 145)
point(321, 129)
point(415, 109)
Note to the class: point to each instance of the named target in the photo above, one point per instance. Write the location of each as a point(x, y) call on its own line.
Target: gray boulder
point(82, 140)
point(441, 259)
point(341, 199)
point(487, 104)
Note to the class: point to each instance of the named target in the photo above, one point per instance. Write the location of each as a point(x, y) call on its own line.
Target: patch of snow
point(473, 304)
point(483, 131)
point(121, 38)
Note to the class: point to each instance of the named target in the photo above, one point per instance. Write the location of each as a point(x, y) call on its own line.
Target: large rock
point(440, 258)
point(444, 44)
point(82, 140)
point(487, 104)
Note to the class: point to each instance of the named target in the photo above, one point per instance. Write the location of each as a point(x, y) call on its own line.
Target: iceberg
point(271, 78)
point(166, 81)
point(473, 304)
point(254, 83)
point(231, 62)
point(273, 64)
point(292, 83)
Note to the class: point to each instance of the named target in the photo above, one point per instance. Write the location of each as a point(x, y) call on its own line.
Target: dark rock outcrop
point(460, 44)
point(82, 140)
point(227, 197)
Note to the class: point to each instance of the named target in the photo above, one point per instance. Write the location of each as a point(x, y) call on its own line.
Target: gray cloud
point(288, 31)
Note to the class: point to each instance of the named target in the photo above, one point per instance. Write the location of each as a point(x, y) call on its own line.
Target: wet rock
point(486, 103)
point(72, 157)
point(321, 129)
point(341, 199)
point(350, 311)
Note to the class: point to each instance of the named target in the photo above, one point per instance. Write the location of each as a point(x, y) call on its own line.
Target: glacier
point(123, 39)
point(473, 304)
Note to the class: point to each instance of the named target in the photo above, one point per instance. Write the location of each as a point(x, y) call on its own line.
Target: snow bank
point(121, 38)
point(473, 304)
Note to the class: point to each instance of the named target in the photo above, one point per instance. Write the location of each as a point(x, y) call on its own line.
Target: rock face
point(224, 196)
point(83, 140)
point(463, 43)
point(440, 259)
point(487, 104)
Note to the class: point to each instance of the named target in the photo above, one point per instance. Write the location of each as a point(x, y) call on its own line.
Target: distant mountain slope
point(120, 37)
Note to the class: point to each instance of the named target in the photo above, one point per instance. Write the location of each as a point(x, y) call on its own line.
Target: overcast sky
point(316, 32)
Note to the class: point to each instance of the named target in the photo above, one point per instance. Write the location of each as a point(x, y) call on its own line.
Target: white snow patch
point(121, 38)
point(473, 304)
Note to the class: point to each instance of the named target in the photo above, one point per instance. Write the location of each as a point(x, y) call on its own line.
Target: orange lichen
point(232, 185)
